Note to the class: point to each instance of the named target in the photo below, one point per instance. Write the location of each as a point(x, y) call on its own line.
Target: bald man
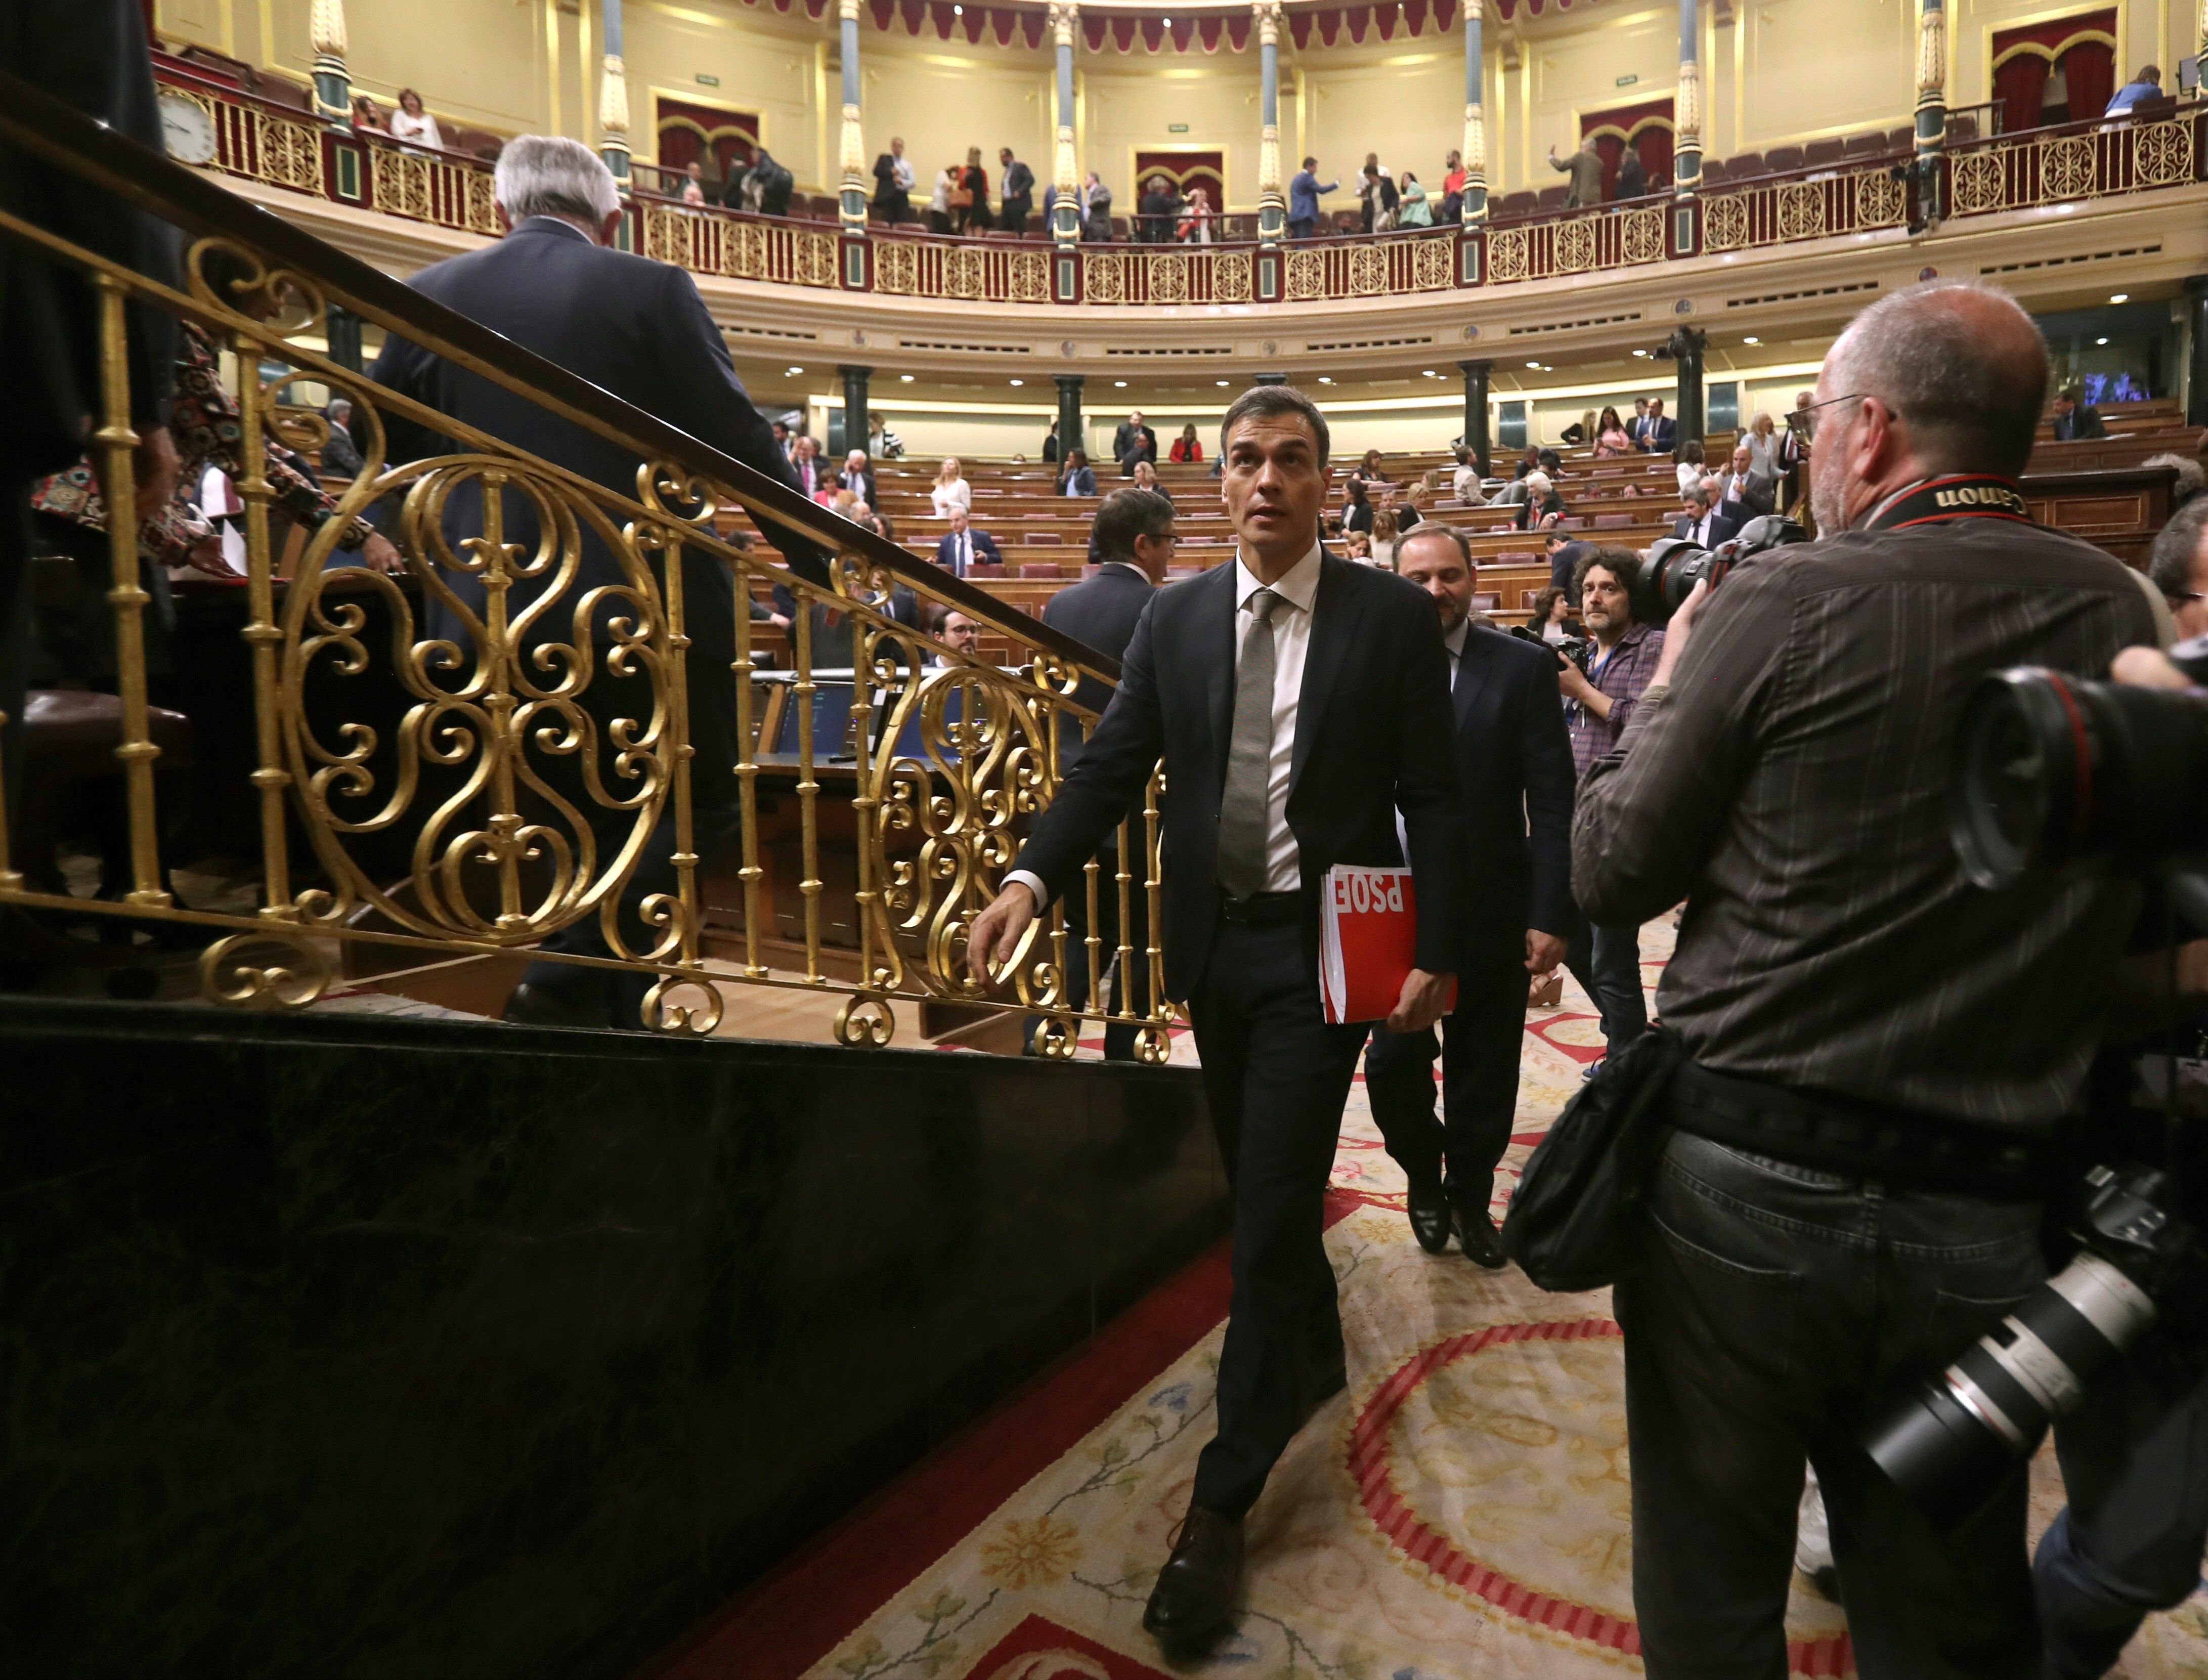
point(1876, 1050)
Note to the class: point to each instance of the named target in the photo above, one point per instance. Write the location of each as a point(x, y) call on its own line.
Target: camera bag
point(1575, 1219)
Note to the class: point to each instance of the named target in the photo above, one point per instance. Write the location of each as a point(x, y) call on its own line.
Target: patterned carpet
point(1462, 1511)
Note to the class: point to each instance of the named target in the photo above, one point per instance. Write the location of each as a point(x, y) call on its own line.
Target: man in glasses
point(1794, 451)
point(2179, 567)
point(1851, 1009)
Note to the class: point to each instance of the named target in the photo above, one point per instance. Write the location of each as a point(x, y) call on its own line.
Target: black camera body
point(1675, 565)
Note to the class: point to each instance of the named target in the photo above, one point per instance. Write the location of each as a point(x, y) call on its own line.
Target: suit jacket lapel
point(1471, 675)
point(1335, 612)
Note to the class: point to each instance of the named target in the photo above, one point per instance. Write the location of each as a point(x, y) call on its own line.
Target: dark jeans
point(1277, 1076)
point(2135, 1463)
point(1012, 215)
point(1607, 962)
point(1478, 1045)
point(1778, 1308)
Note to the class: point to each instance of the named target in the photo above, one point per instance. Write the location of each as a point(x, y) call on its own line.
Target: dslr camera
point(2056, 776)
point(1674, 565)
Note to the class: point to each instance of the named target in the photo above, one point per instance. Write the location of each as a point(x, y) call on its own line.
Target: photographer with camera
point(1602, 679)
point(1875, 1051)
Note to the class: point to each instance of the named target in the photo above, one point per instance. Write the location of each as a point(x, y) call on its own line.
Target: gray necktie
point(1244, 839)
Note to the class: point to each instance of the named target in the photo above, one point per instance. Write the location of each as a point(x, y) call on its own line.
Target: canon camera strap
point(1965, 496)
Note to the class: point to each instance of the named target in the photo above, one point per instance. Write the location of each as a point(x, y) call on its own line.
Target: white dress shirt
point(1297, 590)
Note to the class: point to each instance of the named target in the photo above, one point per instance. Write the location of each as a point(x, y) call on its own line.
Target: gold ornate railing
point(969, 272)
point(1387, 266)
point(740, 248)
point(2055, 165)
point(1778, 213)
point(1579, 245)
point(535, 662)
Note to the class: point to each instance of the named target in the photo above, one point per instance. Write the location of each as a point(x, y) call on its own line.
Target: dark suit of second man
point(1514, 766)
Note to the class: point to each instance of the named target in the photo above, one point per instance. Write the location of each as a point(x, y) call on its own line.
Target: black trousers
point(1277, 1076)
point(1777, 1309)
point(1478, 1045)
point(2135, 1464)
point(1012, 215)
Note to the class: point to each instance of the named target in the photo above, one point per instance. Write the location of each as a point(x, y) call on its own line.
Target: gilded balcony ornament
point(816, 259)
point(1306, 276)
point(1802, 210)
point(1978, 181)
point(2066, 167)
point(864, 1022)
point(1166, 278)
point(1028, 273)
point(1725, 222)
point(1642, 239)
point(662, 1014)
point(965, 273)
point(1506, 255)
point(895, 268)
point(1573, 250)
point(2164, 157)
point(1103, 278)
point(265, 970)
point(1230, 278)
point(1880, 201)
point(1433, 264)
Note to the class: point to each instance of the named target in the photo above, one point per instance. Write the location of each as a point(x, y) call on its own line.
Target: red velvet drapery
point(1647, 128)
point(687, 133)
point(2082, 47)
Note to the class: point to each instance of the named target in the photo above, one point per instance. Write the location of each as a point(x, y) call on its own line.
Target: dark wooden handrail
point(64, 137)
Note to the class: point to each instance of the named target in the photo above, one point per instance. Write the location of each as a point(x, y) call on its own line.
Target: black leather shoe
point(1193, 1602)
point(1429, 1216)
point(1477, 1235)
point(534, 1006)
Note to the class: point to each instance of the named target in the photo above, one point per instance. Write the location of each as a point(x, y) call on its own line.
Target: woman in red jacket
point(1186, 447)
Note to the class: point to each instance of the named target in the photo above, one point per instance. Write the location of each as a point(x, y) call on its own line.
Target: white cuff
point(1033, 883)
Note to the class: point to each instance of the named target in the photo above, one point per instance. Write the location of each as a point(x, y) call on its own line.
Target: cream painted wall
point(1126, 111)
point(772, 71)
point(1407, 105)
point(1564, 74)
point(1796, 72)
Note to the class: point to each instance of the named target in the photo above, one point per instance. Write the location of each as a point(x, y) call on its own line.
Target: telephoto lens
point(1674, 565)
point(2051, 770)
point(1946, 1445)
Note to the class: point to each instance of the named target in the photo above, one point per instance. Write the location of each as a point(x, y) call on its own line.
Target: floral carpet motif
point(1462, 1511)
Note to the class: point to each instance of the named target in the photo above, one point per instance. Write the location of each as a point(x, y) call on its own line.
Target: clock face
point(187, 129)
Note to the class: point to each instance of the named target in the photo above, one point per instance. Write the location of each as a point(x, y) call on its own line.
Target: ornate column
point(1687, 346)
point(1475, 120)
point(326, 32)
point(856, 426)
point(613, 97)
point(852, 153)
point(1070, 434)
point(1475, 412)
point(1687, 109)
point(1272, 208)
point(1064, 167)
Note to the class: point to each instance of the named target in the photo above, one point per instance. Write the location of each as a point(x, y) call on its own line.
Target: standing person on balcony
point(1585, 167)
point(1373, 203)
point(1156, 211)
point(1453, 174)
point(411, 122)
point(1632, 174)
point(1303, 200)
point(768, 186)
point(1196, 227)
point(1416, 211)
point(974, 182)
point(1018, 188)
point(951, 489)
point(1095, 210)
point(1187, 447)
point(893, 183)
point(939, 202)
point(638, 330)
point(1299, 703)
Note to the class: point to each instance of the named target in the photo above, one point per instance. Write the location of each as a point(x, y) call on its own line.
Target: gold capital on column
point(1268, 14)
point(613, 97)
point(852, 154)
point(1932, 56)
point(325, 28)
point(1063, 19)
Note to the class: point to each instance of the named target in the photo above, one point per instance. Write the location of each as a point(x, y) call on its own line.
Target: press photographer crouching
point(1875, 1051)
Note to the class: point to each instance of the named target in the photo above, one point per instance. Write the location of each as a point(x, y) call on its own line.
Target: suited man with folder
point(1298, 701)
point(1514, 764)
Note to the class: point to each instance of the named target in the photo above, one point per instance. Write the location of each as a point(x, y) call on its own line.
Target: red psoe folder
point(1368, 942)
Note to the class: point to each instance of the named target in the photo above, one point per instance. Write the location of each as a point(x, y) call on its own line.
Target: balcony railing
point(481, 752)
point(2078, 161)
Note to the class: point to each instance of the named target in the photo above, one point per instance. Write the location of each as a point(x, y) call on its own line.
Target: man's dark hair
point(1426, 528)
point(1623, 564)
point(1310, 163)
point(2170, 562)
point(1961, 363)
point(2071, 394)
point(1270, 402)
point(1557, 539)
point(1124, 515)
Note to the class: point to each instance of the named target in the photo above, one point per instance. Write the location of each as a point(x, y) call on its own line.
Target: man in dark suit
point(1017, 187)
point(1637, 430)
point(1514, 764)
point(1134, 441)
point(962, 545)
point(638, 329)
point(1298, 703)
point(1133, 539)
point(2074, 417)
point(1702, 518)
point(1662, 431)
point(857, 476)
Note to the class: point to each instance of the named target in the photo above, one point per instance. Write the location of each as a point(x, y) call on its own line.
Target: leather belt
point(1861, 1139)
point(1261, 909)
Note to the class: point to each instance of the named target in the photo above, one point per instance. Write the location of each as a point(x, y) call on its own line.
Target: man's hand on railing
point(379, 555)
point(995, 934)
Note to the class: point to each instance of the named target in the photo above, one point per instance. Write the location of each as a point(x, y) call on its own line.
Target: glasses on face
point(1804, 420)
